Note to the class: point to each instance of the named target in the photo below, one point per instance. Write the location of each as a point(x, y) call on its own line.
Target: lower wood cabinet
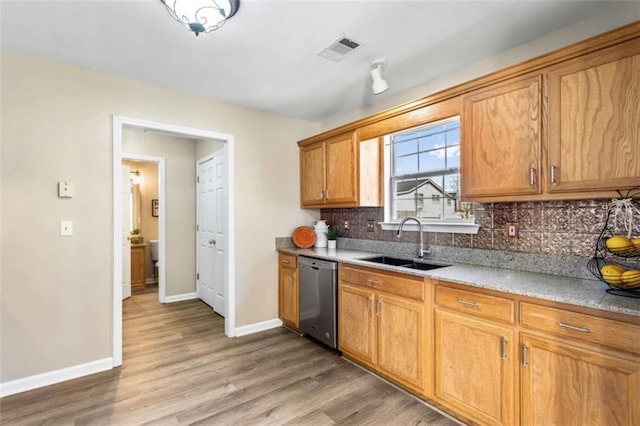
point(475, 365)
point(288, 290)
point(492, 358)
point(384, 331)
point(577, 368)
point(138, 265)
point(357, 324)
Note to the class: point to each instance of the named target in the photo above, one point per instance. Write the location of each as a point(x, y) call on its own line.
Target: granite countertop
point(574, 291)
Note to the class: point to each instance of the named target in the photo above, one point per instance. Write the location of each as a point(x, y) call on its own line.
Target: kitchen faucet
point(421, 248)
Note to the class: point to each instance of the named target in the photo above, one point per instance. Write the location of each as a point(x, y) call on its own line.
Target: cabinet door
point(594, 124)
point(401, 340)
point(475, 367)
point(312, 174)
point(288, 296)
point(342, 170)
point(501, 140)
point(356, 332)
point(570, 384)
point(138, 265)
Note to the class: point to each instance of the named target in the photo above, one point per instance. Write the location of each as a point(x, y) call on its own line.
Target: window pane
point(404, 148)
point(431, 149)
point(453, 156)
point(433, 139)
point(453, 136)
point(406, 165)
point(432, 160)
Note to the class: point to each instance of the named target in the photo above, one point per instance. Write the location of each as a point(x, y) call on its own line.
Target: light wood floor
point(179, 368)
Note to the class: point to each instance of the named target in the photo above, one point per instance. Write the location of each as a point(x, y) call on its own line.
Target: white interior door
point(125, 193)
point(211, 232)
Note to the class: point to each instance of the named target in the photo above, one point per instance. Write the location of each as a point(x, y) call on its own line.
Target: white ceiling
point(266, 56)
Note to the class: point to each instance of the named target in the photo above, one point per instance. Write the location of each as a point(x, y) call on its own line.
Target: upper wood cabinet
point(501, 139)
point(594, 121)
point(341, 172)
point(563, 125)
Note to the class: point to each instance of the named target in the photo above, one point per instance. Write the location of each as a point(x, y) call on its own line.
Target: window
point(425, 163)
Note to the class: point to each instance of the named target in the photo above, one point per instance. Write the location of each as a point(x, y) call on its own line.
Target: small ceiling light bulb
point(379, 83)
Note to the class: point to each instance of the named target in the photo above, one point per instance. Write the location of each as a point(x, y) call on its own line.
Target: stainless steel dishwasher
point(319, 299)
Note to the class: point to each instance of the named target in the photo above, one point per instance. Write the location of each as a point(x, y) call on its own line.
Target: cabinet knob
point(212, 242)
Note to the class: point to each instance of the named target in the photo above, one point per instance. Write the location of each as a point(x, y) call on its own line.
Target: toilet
point(153, 248)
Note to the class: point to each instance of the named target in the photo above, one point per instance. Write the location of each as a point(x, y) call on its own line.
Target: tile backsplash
point(565, 228)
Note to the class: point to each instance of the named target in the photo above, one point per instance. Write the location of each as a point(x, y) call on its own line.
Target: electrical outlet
point(371, 225)
point(345, 225)
point(512, 230)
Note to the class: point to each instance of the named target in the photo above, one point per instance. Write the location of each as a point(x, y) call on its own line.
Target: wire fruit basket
point(616, 259)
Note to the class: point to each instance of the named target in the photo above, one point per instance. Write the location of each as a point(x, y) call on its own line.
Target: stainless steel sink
point(403, 263)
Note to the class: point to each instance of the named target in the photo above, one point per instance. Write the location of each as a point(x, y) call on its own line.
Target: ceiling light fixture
point(201, 16)
point(379, 83)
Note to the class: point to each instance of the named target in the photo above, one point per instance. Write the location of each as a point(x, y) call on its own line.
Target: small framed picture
point(155, 205)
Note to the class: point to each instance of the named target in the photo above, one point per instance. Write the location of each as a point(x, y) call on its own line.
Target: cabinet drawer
point(288, 260)
point(615, 334)
point(388, 282)
point(492, 307)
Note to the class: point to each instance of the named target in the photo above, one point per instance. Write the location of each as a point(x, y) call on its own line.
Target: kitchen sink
point(403, 263)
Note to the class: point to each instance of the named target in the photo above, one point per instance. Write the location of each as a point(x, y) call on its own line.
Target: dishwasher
point(319, 299)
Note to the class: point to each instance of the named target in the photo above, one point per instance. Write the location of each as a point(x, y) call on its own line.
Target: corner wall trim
point(181, 297)
point(56, 376)
point(258, 326)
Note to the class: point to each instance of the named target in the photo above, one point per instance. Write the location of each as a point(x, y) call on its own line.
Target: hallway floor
point(179, 368)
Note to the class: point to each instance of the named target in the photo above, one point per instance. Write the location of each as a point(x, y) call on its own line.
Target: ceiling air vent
point(340, 48)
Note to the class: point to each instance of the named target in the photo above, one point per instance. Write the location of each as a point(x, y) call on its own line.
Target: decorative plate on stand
point(304, 237)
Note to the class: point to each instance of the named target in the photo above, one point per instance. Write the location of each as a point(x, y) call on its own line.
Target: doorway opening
point(145, 225)
point(121, 124)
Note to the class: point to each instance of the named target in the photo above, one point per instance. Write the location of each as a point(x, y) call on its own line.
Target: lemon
point(612, 274)
point(619, 244)
point(631, 278)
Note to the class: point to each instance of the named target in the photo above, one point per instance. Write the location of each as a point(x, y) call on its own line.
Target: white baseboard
point(181, 297)
point(56, 376)
point(258, 326)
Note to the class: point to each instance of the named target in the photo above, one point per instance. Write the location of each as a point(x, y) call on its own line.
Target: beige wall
point(204, 148)
point(620, 13)
point(57, 125)
point(180, 186)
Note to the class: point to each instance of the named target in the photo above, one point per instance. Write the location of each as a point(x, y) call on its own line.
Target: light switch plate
point(65, 189)
point(66, 228)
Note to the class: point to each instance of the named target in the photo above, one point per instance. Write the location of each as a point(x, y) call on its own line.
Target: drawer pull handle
point(573, 327)
point(525, 356)
point(504, 348)
point(374, 282)
point(467, 303)
point(285, 262)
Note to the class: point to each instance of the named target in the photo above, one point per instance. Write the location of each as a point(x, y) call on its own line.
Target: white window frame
point(455, 226)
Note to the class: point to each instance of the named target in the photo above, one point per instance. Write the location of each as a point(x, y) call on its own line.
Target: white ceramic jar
point(320, 228)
